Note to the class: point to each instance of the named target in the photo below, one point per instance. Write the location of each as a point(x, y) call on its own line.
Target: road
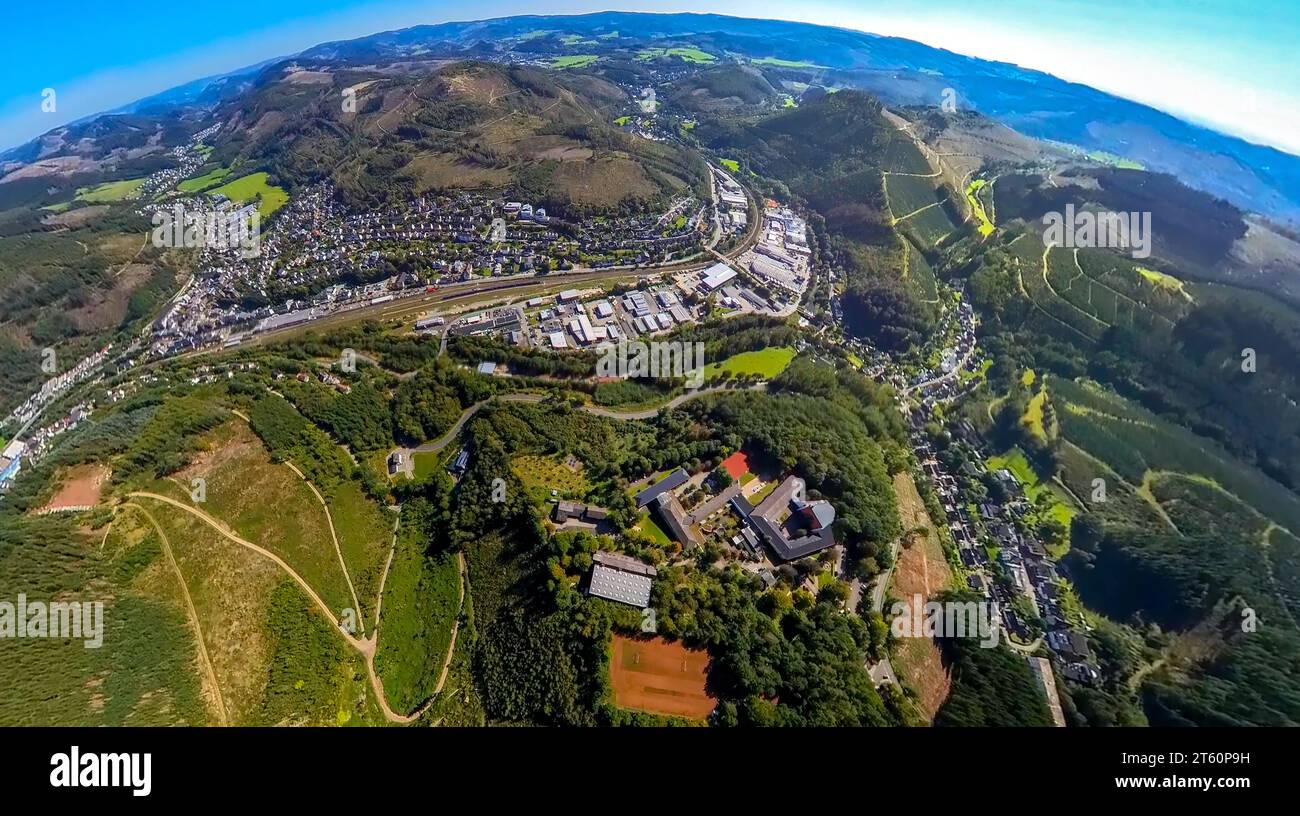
point(435, 445)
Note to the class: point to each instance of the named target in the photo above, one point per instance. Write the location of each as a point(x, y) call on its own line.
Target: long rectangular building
point(675, 479)
point(620, 578)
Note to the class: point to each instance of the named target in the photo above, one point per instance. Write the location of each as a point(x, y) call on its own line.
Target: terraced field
point(1143, 450)
point(1086, 291)
point(902, 155)
point(920, 275)
point(908, 195)
point(931, 225)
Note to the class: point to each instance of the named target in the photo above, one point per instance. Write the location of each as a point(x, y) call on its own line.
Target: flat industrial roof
point(619, 585)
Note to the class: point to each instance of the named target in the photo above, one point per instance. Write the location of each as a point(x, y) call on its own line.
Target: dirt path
point(329, 518)
point(366, 646)
point(223, 716)
point(383, 579)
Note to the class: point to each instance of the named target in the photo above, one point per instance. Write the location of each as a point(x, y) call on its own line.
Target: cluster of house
point(315, 242)
point(55, 386)
point(1021, 556)
point(940, 384)
point(38, 443)
point(188, 158)
point(644, 237)
point(11, 462)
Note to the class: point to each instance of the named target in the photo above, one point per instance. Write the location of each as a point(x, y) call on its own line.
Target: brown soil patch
point(120, 247)
point(232, 442)
point(603, 182)
point(309, 77)
point(479, 85)
point(81, 487)
point(921, 570)
point(440, 172)
point(660, 677)
point(59, 166)
point(566, 153)
point(76, 218)
point(107, 309)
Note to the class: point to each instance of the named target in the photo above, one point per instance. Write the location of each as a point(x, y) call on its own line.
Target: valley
point(388, 464)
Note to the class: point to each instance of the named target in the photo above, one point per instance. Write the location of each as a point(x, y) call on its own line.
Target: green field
point(542, 474)
point(254, 186)
point(425, 464)
point(686, 53)
point(421, 604)
point(766, 363)
point(574, 61)
point(268, 504)
point(1115, 161)
point(777, 62)
point(1033, 417)
point(977, 207)
point(908, 194)
point(622, 120)
point(206, 181)
point(901, 155)
point(930, 225)
point(730, 165)
point(1137, 444)
point(1014, 460)
point(647, 525)
point(365, 533)
point(1162, 280)
point(1090, 290)
point(110, 191)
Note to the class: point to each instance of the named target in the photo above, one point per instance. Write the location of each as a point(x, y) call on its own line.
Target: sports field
point(660, 677)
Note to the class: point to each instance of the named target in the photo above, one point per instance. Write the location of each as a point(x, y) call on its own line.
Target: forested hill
point(384, 136)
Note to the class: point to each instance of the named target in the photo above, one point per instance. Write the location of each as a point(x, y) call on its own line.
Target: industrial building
point(620, 578)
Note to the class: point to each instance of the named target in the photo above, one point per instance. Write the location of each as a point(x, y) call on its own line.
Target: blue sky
point(1231, 64)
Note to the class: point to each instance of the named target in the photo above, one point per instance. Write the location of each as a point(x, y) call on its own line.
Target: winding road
point(435, 445)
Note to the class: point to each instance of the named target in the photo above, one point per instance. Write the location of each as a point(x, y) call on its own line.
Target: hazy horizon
point(1217, 63)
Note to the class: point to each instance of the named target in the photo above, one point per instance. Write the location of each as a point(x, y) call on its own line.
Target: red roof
point(737, 464)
